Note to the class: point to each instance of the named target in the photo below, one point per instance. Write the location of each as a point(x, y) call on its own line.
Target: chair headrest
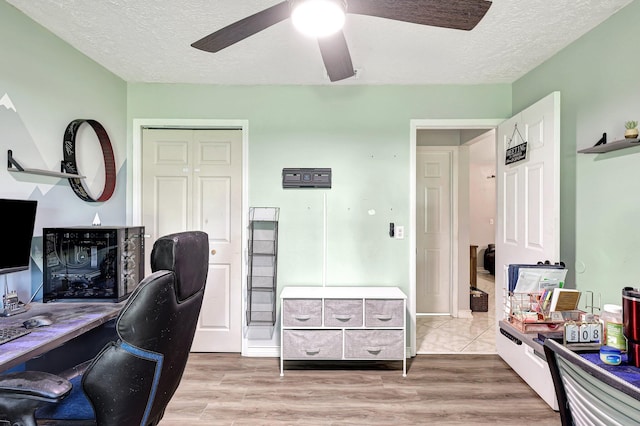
point(187, 255)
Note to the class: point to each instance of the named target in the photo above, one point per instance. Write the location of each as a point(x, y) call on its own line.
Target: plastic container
point(631, 323)
point(612, 326)
point(610, 355)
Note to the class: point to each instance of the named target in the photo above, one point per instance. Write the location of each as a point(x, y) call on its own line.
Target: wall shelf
point(602, 146)
point(14, 166)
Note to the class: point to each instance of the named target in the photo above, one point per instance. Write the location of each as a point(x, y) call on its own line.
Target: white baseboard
point(411, 352)
point(465, 313)
point(266, 352)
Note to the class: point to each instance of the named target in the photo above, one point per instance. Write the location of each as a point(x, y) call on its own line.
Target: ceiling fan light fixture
point(318, 18)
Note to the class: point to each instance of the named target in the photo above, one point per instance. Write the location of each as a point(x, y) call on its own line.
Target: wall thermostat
point(306, 178)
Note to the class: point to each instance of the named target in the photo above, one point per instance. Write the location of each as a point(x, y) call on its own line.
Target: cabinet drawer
point(384, 313)
point(531, 367)
point(343, 313)
point(302, 312)
point(374, 344)
point(312, 344)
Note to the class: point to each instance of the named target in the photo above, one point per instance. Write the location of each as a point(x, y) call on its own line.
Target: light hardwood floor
point(227, 389)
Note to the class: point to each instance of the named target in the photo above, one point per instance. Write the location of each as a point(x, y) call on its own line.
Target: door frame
point(432, 124)
point(134, 188)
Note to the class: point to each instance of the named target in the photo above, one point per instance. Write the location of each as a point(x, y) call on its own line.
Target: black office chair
point(588, 394)
point(131, 381)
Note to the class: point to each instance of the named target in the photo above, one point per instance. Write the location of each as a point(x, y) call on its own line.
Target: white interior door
point(434, 198)
point(166, 184)
point(528, 192)
point(192, 180)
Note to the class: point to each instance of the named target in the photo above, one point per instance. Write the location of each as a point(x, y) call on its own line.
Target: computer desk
point(70, 320)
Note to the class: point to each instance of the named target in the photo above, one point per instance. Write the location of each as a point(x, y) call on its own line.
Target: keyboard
point(10, 333)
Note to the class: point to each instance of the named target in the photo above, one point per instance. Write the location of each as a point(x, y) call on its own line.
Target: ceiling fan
point(455, 14)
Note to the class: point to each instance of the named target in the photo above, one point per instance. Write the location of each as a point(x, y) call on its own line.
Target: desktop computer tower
point(98, 263)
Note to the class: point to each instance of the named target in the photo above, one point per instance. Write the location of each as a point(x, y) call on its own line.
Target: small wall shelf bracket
point(603, 140)
point(13, 163)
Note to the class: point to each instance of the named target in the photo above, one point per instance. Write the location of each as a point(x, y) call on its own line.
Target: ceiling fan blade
point(336, 57)
point(456, 14)
point(243, 28)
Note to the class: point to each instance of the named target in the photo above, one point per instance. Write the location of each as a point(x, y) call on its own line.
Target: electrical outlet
point(399, 232)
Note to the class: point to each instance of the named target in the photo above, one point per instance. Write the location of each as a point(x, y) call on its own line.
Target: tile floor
point(444, 334)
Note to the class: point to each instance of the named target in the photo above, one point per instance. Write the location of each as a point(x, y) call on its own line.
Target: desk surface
point(624, 371)
point(69, 321)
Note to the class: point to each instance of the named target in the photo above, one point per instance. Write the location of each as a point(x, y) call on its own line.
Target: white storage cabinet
point(343, 323)
point(526, 357)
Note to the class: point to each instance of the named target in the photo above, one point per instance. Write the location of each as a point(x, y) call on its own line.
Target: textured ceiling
point(149, 41)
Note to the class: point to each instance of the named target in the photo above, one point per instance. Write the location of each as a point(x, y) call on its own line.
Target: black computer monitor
point(18, 217)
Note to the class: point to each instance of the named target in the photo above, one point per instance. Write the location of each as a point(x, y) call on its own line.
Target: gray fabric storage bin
point(384, 313)
point(372, 344)
point(343, 313)
point(312, 344)
point(302, 313)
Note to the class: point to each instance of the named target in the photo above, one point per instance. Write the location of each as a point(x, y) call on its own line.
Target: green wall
point(598, 79)
point(361, 133)
point(50, 84)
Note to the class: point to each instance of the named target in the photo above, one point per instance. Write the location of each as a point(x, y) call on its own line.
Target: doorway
point(466, 130)
point(437, 331)
point(203, 164)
